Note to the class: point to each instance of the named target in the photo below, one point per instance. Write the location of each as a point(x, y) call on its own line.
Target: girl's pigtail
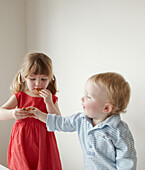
point(18, 83)
point(52, 85)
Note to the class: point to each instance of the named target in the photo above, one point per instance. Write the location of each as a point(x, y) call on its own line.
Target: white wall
point(12, 50)
point(86, 37)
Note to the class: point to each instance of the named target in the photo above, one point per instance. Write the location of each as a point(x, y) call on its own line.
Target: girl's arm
point(6, 110)
point(51, 107)
point(9, 110)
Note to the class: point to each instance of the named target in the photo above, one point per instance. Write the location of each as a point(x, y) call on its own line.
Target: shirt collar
point(111, 121)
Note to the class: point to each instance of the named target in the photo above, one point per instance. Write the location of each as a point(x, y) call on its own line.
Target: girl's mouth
point(38, 90)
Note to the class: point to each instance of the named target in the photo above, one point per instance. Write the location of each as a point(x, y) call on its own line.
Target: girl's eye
point(44, 79)
point(32, 79)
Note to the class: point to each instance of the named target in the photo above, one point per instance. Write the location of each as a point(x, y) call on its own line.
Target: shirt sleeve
point(125, 151)
point(61, 123)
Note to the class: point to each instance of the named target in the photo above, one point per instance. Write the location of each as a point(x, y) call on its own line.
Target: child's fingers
point(29, 108)
point(45, 92)
point(28, 111)
point(33, 112)
point(20, 114)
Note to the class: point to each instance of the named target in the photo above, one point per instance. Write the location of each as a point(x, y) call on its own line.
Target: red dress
point(31, 146)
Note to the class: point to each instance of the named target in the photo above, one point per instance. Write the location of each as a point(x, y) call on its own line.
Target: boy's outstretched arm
point(41, 116)
point(57, 122)
point(61, 123)
point(37, 114)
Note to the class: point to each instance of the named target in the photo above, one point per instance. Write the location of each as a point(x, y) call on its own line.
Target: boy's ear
point(108, 108)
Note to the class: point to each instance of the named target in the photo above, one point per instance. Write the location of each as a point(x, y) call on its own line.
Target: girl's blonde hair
point(117, 88)
point(34, 63)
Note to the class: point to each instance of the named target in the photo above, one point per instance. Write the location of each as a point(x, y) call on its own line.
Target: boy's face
point(94, 100)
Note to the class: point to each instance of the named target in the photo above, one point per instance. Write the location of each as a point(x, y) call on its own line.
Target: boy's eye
point(88, 97)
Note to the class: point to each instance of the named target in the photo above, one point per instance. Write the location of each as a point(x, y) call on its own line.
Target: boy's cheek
point(91, 107)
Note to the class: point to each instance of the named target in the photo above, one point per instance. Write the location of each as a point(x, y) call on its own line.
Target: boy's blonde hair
point(117, 88)
point(34, 63)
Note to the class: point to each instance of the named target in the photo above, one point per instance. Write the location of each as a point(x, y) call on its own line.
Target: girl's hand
point(47, 96)
point(19, 114)
point(50, 106)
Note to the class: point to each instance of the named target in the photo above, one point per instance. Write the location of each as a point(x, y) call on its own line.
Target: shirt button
point(90, 146)
point(104, 136)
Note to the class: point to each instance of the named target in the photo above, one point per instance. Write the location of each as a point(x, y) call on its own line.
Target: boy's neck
point(98, 121)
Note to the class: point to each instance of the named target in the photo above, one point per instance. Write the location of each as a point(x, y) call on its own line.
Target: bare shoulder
point(11, 103)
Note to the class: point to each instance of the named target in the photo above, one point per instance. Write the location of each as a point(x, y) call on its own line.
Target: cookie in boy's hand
point(38, 90)
point(28, 109)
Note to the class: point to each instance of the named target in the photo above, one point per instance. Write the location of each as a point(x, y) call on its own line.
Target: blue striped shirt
point(106, 146)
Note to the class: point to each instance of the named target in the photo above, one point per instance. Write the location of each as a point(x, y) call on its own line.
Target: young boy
point(106, 140)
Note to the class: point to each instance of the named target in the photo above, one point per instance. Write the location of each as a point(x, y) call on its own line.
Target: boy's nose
point(82, 99)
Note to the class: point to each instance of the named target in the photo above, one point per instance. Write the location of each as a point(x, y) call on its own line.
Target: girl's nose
point(38, 83)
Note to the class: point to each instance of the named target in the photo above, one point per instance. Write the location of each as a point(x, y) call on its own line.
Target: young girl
point(31, 146)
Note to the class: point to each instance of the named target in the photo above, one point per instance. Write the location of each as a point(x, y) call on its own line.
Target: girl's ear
point(108, 108)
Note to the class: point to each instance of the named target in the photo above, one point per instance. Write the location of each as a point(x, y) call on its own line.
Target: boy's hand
point(37, 114)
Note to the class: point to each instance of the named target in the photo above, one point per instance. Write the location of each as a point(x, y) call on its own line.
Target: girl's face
point(94, 100)
point(36, 81)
